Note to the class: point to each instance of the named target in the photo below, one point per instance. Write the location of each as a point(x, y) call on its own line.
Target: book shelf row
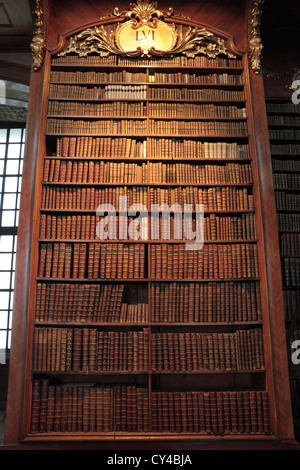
point(121, 172)
point(288, 181)
point(285, 165)
point(181, 127)
point(141, 92)
point(180, 61)
point(122, 261)
point(282, 108)
point(92, 350)
point(290, 244)
point(283, 120)
point(285, 134)
point(188, 352)
point(287, 201)
point(120, 109)
point(214, 199)
point(96, 147)
point(205, 303)
point(127, 109)
point(137, 77)
point(285, 149)
point(190, 110)
point(89, 350)
point(291, 271)
point(176, 302)
point(125, 408)
point(288, 222)
point(139, 127)
point(83, 227)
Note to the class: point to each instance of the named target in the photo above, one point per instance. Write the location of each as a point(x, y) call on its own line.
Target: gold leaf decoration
point(193, 41)
point(255, 43)
point(143, 12)
point(92, 40)
point(38, 44)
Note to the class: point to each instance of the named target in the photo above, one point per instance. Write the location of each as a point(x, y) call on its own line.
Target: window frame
point(10, 230)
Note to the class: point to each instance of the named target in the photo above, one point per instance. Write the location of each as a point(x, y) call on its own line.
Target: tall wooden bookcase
point(135, 338)
point(283, 120)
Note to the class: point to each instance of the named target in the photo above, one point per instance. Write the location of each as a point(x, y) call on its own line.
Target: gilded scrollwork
point(255, 43)
point(38, 44)
point(144, 14)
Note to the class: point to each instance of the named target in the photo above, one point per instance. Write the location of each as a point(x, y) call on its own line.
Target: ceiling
point(15, 24)
point(15, 37)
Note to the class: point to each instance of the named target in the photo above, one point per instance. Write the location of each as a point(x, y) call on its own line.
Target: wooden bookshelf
point(283, 117)
point(283, 120)
point(114, 323)
point(60, 172)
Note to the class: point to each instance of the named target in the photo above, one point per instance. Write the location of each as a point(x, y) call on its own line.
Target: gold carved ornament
point(144, 33)
point(38, 44)
point(255, 43)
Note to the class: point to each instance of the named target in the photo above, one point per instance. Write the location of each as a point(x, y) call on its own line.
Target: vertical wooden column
point(17, 367)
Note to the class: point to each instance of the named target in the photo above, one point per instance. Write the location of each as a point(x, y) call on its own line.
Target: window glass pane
point(3, 320)
point(9, 339)
point(5, 262)
point(12, 167)
point(2, 150)
point(11, 184)
point(4, 300)
point(15, 135)
point(24, 135)
point(6, 243)
point(9, 201)
point(13, 151)
point(1, 167)
point(8, 218)
point(5, 280)
point(3, 135)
